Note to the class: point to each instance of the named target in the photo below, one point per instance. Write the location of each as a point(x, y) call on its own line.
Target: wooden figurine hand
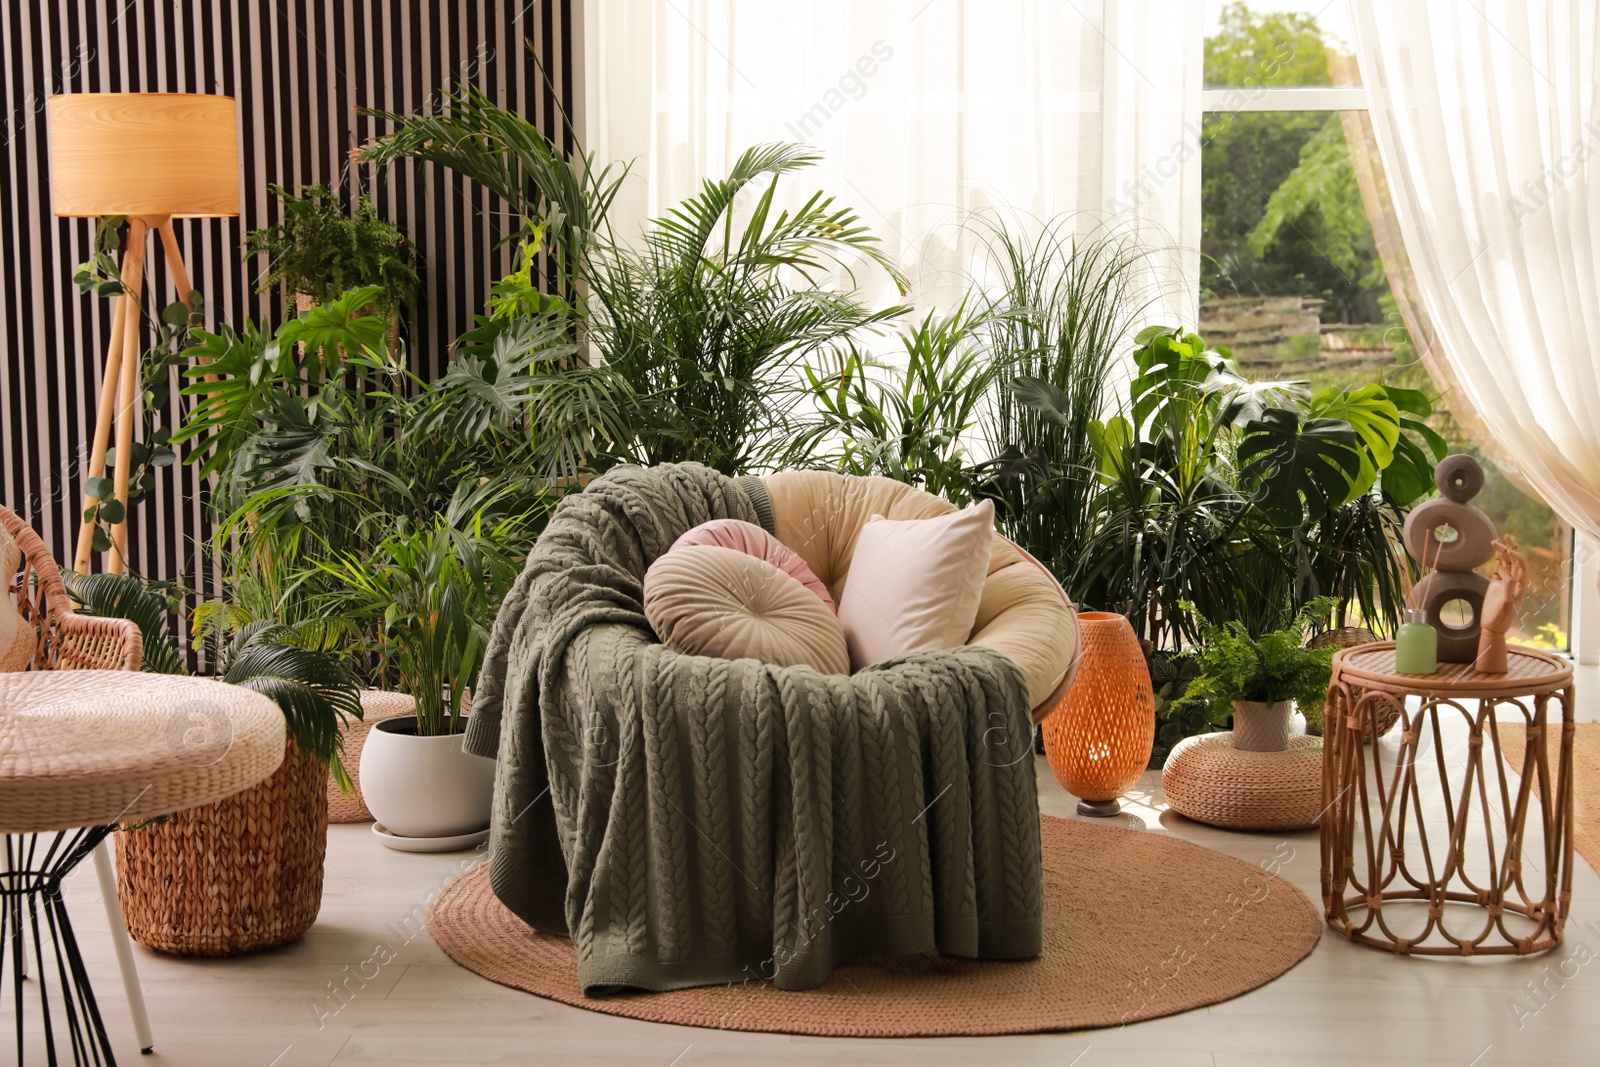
point(1500, 606)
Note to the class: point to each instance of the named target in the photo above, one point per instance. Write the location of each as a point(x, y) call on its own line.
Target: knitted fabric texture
point(689, 820)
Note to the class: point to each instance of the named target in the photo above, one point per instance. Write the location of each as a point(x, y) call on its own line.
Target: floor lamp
point(152, 157)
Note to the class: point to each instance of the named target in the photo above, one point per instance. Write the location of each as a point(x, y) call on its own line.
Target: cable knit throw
point(691, 821)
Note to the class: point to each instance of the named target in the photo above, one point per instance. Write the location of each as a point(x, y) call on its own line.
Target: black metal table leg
point(30, 891)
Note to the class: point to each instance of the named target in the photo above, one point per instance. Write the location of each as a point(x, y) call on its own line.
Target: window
point(1293, 279)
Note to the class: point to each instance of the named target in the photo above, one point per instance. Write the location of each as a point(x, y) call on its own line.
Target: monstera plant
point(1246, 500)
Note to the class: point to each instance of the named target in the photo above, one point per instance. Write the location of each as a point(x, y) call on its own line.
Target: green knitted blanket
point(690, 821)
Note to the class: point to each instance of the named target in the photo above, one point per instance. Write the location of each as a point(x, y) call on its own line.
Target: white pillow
point(914, 584)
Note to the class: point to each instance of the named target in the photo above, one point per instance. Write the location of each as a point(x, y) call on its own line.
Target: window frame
point(1583, 569)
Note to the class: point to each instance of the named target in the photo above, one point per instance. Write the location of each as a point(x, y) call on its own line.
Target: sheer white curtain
point(927, 111)
point(1487, 120)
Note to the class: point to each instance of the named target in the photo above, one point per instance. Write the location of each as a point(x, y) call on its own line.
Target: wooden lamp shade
point(156, 155)
point(151, 157)
point(1099, 740)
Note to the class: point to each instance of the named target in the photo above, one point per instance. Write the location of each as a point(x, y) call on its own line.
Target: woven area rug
point(1137, 925)
point(1585, 783)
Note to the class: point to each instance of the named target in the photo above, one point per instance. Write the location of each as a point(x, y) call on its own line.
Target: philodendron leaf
point(1298, 472)
point(1370, 413)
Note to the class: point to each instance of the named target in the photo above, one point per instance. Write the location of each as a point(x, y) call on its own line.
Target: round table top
point(88, 748)
point(1529, 671)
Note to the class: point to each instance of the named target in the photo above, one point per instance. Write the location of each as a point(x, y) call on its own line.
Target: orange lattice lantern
point(1099, 740)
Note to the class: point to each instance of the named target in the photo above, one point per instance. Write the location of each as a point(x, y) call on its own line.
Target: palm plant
point(712, 319)
point(566, 197)
point(429, 592)
point(908, 423)
point(702, 329)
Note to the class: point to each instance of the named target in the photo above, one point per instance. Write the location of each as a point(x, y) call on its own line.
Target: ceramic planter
point(424, 787)
point(1259, 726)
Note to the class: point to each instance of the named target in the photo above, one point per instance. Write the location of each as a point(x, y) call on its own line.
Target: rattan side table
point(79, 752)
point(1466, 877)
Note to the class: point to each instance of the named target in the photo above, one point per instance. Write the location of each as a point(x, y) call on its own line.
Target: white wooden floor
point(1345, 1005)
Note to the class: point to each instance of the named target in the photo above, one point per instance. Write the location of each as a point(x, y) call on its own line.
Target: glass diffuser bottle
point(1416, 645)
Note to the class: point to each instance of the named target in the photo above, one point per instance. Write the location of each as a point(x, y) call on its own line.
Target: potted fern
point(1254, 679)
point(319, 251)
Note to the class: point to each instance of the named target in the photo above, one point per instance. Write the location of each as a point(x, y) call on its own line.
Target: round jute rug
point(1137, 925)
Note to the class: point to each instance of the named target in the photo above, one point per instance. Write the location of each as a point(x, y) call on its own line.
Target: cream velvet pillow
point(707, 600)
point(915, 584)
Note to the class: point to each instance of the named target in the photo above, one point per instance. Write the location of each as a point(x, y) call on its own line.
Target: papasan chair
point(688, 820)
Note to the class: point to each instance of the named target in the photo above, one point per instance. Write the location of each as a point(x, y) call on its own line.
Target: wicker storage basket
point(236, 876)
point(376, 704)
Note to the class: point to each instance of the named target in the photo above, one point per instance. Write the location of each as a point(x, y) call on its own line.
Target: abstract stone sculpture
point(1452, 537)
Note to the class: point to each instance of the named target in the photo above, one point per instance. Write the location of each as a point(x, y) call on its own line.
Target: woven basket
point(376, 705)
point(1343, 637)
point(236, 876)
point(1210, 781)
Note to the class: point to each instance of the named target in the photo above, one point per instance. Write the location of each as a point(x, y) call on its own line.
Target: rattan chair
point(70, 641)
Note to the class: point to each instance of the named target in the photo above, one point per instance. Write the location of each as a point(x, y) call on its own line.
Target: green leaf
point(1410, 477)
point(99, 488)
point(1369, 412)
point(112, 512)
point(175, 313)
point(1436, 444)
point(101, 540)
point(1299, 472)
point(127, 596)
point(1043, 397)
point(1412, 401)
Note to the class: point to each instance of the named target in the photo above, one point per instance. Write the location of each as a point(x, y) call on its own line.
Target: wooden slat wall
point(299, 70)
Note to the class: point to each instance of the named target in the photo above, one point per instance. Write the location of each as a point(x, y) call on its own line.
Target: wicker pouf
point(376, 705)
point(235, 876)
point(1210, 781)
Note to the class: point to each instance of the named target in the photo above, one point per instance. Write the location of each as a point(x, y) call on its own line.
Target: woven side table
point(1405, 882)
point(79, 752)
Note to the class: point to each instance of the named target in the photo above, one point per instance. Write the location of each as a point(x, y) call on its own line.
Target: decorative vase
point(424, 787)
point(240, 875)
point(1098, 741)
point(1259, 726)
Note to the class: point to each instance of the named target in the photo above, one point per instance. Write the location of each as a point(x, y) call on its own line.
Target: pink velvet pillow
point(752, 540)
point(915, 584)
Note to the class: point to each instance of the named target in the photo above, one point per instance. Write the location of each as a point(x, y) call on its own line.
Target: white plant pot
point(424, 787)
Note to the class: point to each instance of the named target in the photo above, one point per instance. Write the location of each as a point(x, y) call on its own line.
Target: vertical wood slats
point(299, 69)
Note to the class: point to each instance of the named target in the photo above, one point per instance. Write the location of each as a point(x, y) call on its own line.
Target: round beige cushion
point(706, 600)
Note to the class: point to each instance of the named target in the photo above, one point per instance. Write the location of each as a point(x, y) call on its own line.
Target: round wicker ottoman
point(376, 705)
point(1210, 781)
